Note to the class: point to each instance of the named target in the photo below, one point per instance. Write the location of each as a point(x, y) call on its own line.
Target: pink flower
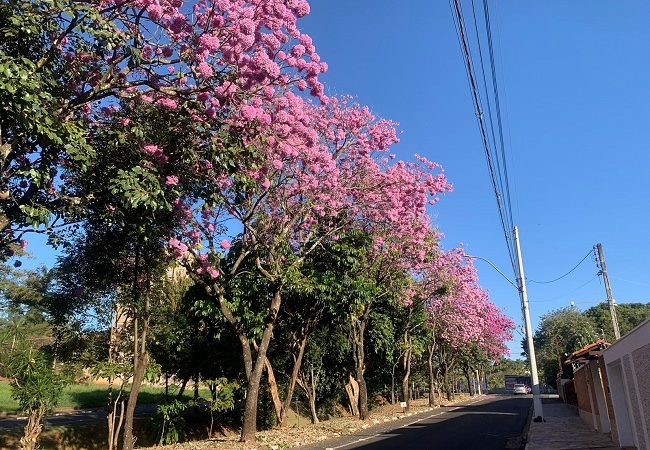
point(155, 11)
point(168, 103)
point(171, 180)
point(178, 248)
point(155, 152)
point(298, 50)
point(209, 42)
point(225, 244)
point(249, 112)
point(266, 183)
point(204, 69)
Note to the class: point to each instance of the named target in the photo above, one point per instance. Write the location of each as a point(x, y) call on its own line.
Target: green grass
point(7, 404)
point(79, 396)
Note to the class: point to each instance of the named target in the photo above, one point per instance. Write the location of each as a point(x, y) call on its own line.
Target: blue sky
point(575, 95)
point(573, 78)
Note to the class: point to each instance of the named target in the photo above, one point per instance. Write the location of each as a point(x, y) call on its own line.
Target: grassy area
point(79, 396)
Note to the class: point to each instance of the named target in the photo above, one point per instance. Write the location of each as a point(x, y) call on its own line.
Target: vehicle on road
point(519, 389)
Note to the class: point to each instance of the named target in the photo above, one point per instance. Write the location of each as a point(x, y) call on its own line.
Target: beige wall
point(628, 371)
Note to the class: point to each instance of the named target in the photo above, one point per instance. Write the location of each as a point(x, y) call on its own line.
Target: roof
point(590, 351)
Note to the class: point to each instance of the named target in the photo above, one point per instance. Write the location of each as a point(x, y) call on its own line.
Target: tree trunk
point(273, 388)
point(363, 394)
point(32, 429)
point(140, 362)
point(249, 426)
point(357, 331)
point(406, 364)
point(115, 415)
point(352, 389)
point(195, 406)
point(140, 351)
point(312, 397)
point(312, 409)
point(431, 377)
point(470, 384)
point(297, 363)
point(308, 385)
point(179, 395)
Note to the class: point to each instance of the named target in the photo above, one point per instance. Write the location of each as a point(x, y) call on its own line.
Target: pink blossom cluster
point(156, 153)
point(463, 314)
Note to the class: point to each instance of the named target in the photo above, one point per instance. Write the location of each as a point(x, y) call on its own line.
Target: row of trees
point(188, 160)
point(565, 330)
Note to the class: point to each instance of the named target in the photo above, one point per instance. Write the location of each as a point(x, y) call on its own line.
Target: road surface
point(494, 422)
point(77, 417)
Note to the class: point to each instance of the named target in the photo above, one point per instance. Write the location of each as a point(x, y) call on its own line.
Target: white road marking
point(403, 426)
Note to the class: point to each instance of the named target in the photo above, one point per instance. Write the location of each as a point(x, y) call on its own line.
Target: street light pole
point(521, 280)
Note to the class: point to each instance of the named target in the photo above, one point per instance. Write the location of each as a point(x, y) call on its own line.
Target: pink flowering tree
point(463, 323)
point(76, 67)
point(63, 63)
point(395, 252)
point(312, 173)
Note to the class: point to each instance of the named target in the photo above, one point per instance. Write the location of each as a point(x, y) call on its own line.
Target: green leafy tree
point(629, 316)
point(325, 366)
point(35, 385)
point(496, 373)
point(560, 333)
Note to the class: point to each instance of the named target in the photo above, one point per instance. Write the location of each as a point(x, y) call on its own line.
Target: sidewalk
point(564, 430)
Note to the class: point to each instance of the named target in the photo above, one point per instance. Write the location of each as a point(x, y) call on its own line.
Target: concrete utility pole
point(521, 280)
point(608, 289)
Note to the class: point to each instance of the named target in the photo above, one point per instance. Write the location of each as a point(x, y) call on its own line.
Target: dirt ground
point(307, 433)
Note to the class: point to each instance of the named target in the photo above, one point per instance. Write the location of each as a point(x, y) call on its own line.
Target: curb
point(526, 432)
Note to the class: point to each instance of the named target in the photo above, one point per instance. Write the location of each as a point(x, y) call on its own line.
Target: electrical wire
point(564, 295)
point(497, 106)
point(505, 213)
point(566, 274)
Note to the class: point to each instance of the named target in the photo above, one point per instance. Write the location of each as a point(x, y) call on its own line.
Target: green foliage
point(629, 316)
point(168, 424)
point(560, 333)
point(83, 396)
point(223, 394)
point(495, 374)
point(35, 385)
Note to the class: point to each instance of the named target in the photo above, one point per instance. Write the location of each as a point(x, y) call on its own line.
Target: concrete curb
point(526, 433)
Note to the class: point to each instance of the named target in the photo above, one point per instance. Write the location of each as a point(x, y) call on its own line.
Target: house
point(589, 383)
point(612, 386)
point(628, 371)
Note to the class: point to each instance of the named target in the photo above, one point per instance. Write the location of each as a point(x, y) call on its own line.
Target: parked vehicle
point(519, 389)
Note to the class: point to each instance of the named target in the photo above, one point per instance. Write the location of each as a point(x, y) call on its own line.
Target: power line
point(566, 274)
point(505, 213)
point(568, 293)
point(497, 104)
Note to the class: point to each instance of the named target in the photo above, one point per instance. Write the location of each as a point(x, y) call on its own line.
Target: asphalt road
point(496, 422)
point(77, 417)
